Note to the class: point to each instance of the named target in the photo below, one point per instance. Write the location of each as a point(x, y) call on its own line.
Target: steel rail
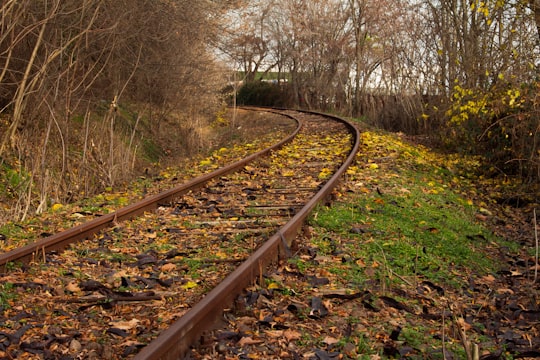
point(61, 240)
point(175, 341)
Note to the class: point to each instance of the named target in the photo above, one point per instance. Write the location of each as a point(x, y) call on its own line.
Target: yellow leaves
point(352, 170)
point(407, 154)
point(109, 197)
point(513, 96)
point(461, 92)
point(57, 207)
point(325, 173)
point(467, 104)
point(122, 201)
point(481, 7)
point(221, 255)
point(287, 172)
point(189, 285)
point(433, 188)
point(365, 190)
point(485, 211)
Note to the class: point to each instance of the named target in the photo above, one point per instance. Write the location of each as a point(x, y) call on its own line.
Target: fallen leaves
point(385, 315)
point(189, 285)
point(288, 335)
point(125, 324)
point(73, 287)
point(168, 267)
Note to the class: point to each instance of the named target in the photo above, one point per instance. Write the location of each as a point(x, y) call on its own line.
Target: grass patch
point(151, 151)
point(7, 295)
point(408, 225)
point(400, 221)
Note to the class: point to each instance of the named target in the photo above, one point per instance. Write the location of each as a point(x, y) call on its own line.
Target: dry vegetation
point(462, 72)
point(91, 91)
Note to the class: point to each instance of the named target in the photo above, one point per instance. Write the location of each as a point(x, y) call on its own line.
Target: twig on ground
point(471, 349)
point(536, 245)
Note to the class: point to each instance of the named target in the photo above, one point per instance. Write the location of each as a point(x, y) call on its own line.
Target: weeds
point(7, 295)
point(536, 246)
point(419, 234)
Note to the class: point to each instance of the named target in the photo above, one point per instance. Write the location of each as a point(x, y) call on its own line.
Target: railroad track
point(145, 281)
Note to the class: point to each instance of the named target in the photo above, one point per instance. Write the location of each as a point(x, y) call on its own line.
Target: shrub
point(262, 94)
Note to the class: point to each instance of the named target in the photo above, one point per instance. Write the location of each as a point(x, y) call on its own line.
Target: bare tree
point(378, 44)
point(535, 7)
point(313, 40)
point(246, 43)
point(70, 69)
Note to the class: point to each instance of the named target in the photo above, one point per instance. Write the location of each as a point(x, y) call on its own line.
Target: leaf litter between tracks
point(401, 253)
point(61, 217)
point(75, 326)
point(414, 259)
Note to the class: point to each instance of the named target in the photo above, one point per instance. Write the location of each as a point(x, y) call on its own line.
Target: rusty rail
point(60, 241)
point(174, 342)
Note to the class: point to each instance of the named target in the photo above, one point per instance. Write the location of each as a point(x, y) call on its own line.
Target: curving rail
point(59, 241)
point(176, 340)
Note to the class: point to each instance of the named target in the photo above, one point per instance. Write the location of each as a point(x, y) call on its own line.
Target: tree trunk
point(535, 7)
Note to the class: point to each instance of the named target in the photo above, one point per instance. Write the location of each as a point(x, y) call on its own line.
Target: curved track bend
point(145, 281)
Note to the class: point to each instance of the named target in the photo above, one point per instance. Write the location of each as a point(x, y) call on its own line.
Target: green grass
point(12, 230)
point(405, 216)
point(416, 241)
point(6, 294)
point(421, 231)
